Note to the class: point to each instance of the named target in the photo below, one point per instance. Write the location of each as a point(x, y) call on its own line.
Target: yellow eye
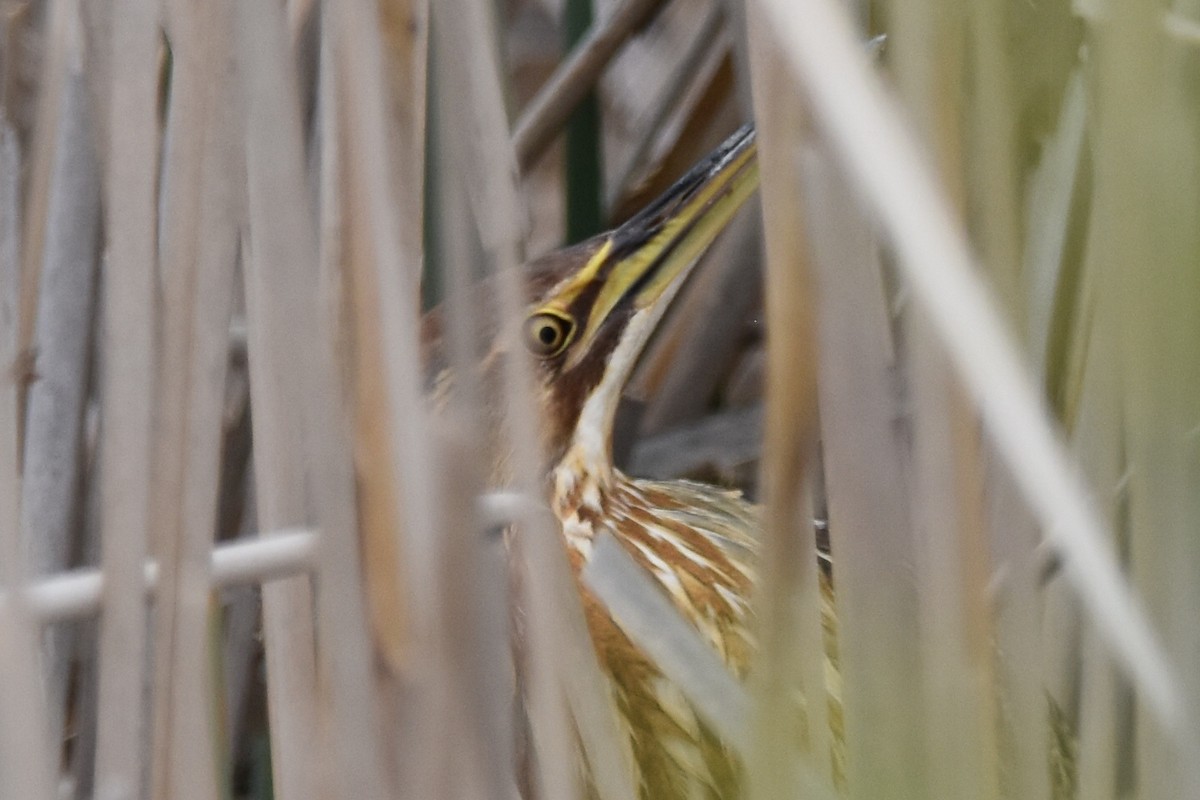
point(547, 333)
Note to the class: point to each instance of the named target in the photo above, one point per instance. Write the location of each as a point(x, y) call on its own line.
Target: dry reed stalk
point(406, 34)
point(63, 329)
point(643, 68)
point(1092, 694)
point(952, 562)
point(1019, 588)
point(992, 150)
point(1055, 292)
point(299, 16)
point(561, 661)
point(866, 461)
point(199, 246)
point(277, 320)
point(791, 649)
point(345, 649)
point(385, 259)
point(250, 560)
point(1146, 197)
point(127, 393)
point(1017, 603)
point(1105, 740)
point(952, 577)
point(1080, 677)
point(55, 400)
point(300, 337)
point(384, 256)
point(1079, 379)
point(879, 156)
point(703, 111)
point(61, 35)
point(475, 608)
point(405, 30)
point(97, 36)
point(474, 579)
point(564, 648)
point(24, 736)
point(865, 447)
point(698, 59)
point(25, 765)
point(549, 110)
point(240, 646)
point(926, 51)
point(1063, 622)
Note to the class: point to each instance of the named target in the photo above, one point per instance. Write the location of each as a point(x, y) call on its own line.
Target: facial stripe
point(566, 295)
point(705, 210)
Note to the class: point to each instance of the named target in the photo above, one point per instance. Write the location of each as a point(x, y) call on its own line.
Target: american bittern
point(592, 309)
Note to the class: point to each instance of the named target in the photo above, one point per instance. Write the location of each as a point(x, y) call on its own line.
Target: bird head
point(586, 330)
point(592, 307)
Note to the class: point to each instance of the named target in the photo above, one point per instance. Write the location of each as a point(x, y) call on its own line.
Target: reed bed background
point(960, 332)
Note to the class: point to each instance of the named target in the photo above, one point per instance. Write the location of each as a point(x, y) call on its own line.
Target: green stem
point(584, 180)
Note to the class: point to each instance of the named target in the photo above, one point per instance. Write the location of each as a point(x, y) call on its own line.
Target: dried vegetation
point(962, 323)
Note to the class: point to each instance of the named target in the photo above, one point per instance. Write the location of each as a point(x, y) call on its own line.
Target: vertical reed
point(975, 300)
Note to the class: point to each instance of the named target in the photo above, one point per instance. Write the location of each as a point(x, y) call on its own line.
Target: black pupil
point(548, 334)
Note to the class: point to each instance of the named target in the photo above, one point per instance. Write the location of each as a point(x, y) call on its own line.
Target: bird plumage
point(692, 540)
point(592, 308)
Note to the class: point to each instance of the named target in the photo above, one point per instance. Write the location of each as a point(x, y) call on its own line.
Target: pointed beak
point(643, 262)
point(693, 213)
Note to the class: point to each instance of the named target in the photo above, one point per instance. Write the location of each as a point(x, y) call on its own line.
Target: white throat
point(591, 444)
